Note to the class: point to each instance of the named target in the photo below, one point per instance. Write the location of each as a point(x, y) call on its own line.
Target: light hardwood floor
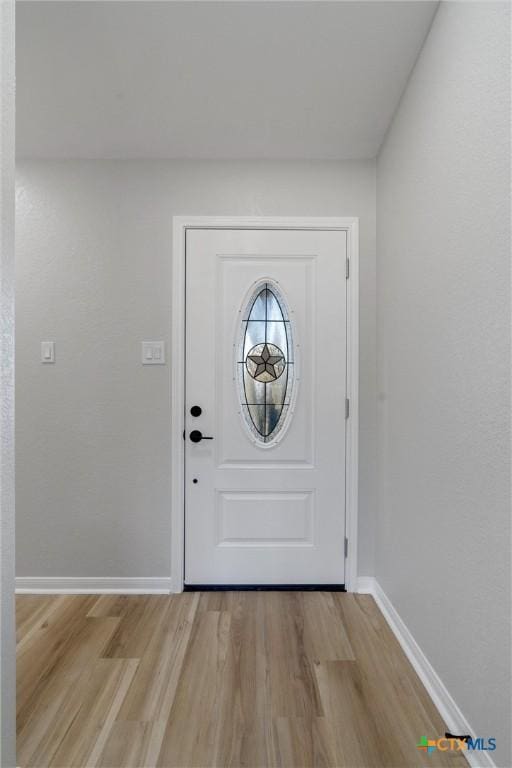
point(255, 679)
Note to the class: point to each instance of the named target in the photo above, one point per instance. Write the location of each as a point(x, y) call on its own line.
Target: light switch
point(153, 353)
point(47, 351)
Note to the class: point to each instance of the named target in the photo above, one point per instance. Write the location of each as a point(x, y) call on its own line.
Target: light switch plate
point(47, 351)
point(153, 353)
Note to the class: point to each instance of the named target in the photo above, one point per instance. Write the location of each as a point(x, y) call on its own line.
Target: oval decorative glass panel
point(266, 363)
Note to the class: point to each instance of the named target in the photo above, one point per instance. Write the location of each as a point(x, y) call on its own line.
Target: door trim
point(180, 224)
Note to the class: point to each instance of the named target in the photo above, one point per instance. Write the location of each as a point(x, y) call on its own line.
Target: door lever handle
point(196, 436)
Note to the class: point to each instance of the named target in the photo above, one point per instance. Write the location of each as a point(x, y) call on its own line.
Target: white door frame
point(177, 362)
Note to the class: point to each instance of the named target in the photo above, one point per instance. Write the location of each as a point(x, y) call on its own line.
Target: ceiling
point(286, 80)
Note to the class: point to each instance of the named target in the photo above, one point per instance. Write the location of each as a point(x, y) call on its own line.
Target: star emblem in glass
point(265, 362)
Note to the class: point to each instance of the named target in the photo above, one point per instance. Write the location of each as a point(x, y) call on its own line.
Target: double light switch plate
point(153, 353)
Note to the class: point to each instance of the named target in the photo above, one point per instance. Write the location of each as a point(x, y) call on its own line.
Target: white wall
point(93, 274)
point(7, 629)
point(443, 547)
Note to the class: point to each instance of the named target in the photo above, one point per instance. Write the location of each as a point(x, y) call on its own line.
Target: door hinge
point(347, 268)
point(347, 407)
point(346, 547)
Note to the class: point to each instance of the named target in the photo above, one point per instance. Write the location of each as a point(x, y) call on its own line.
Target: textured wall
point(443, 196)
point(93, 273)
point(7, 631)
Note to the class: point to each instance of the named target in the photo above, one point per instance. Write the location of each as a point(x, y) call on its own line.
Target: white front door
point(266, 379)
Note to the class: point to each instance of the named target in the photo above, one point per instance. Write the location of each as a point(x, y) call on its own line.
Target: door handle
point(196, 436)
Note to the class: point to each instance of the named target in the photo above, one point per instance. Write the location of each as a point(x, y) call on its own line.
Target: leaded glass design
point(265, 362)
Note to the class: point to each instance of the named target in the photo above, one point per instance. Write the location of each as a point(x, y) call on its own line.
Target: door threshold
point(264, 588)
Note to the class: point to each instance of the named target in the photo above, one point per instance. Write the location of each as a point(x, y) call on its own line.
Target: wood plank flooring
point(253, 679)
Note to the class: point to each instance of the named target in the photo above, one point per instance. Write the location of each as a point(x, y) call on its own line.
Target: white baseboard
point(83, 585)
point(450, 712)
